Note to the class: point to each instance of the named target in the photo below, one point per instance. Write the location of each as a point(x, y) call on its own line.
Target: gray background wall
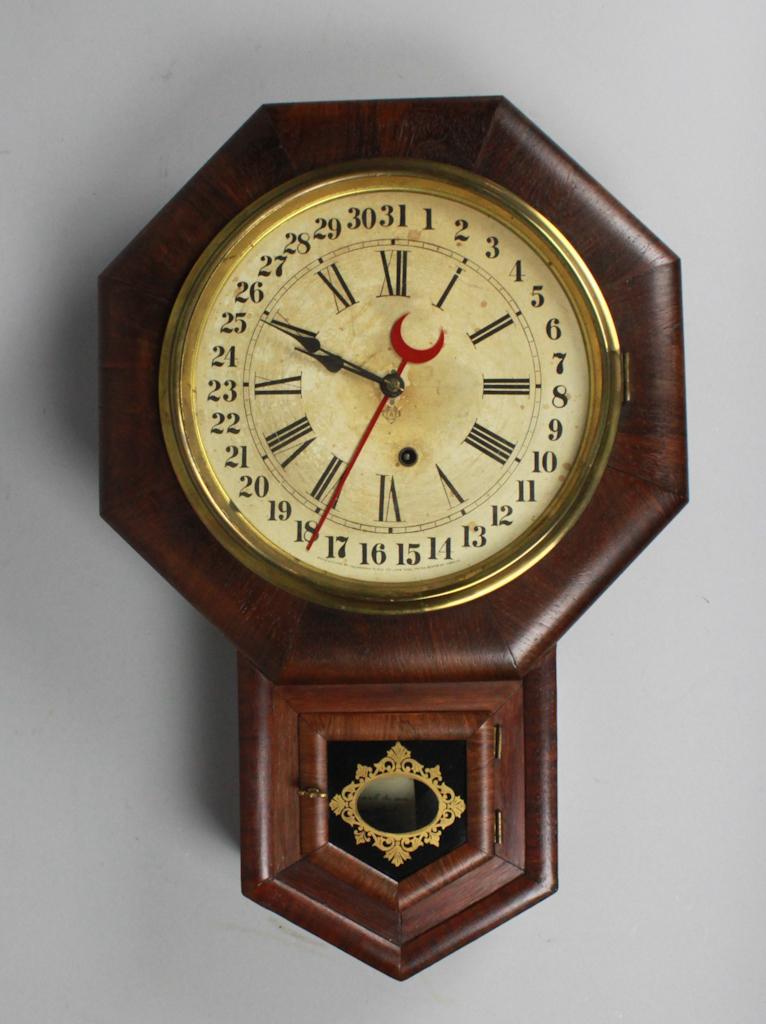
point(118, 844)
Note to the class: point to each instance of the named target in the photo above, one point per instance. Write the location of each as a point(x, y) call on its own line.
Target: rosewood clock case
point(481, 674)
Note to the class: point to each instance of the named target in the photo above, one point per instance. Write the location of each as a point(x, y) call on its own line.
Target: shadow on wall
point(213, 748)
point(168, 128)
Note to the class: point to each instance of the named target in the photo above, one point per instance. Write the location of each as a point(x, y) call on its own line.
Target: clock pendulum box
point(320, 688)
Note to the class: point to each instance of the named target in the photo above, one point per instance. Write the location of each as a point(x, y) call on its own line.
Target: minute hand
point(306, 338)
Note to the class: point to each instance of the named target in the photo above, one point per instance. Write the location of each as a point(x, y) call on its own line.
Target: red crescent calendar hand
point(413, 355)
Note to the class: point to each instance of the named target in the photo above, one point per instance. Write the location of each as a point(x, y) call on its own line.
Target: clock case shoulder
point(502, 635)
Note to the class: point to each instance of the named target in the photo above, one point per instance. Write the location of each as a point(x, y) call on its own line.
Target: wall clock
point(391, 391)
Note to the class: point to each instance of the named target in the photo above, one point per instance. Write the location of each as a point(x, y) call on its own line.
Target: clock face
point(390, 388)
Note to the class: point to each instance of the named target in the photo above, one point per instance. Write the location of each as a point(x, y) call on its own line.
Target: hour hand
point(329, 360)
point(391, 385)
point(306, 338)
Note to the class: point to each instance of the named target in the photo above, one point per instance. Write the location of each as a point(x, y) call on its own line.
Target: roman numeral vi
point(388, 500)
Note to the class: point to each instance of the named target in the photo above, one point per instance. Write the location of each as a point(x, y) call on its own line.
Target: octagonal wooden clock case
point(391, 391)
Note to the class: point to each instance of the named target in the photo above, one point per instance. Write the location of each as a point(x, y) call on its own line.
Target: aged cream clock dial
point(390, 387)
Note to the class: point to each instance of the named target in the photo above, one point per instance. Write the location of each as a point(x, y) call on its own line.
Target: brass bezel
point(239, 536)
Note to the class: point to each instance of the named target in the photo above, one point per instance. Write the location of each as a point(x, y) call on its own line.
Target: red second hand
point(352, 460)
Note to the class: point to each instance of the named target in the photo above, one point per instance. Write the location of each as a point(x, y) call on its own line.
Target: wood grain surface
point(307, 672)
point(500, 636)
point(349, 903)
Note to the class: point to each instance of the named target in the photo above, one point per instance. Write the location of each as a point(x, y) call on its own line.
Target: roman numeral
point(453, 495)
point(389, 287)
point(486, 332)
point(506, 385)
point(326, 478)
point(489, 443)
point(449, 288)
point(388, 500)
point(289, 436)
point(271, 387)
point(344, 298)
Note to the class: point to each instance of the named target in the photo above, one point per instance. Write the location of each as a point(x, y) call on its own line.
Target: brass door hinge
point(498, 826)
point(625, 376)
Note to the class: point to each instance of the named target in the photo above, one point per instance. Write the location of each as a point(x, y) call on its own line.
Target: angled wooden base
point(289, 866)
